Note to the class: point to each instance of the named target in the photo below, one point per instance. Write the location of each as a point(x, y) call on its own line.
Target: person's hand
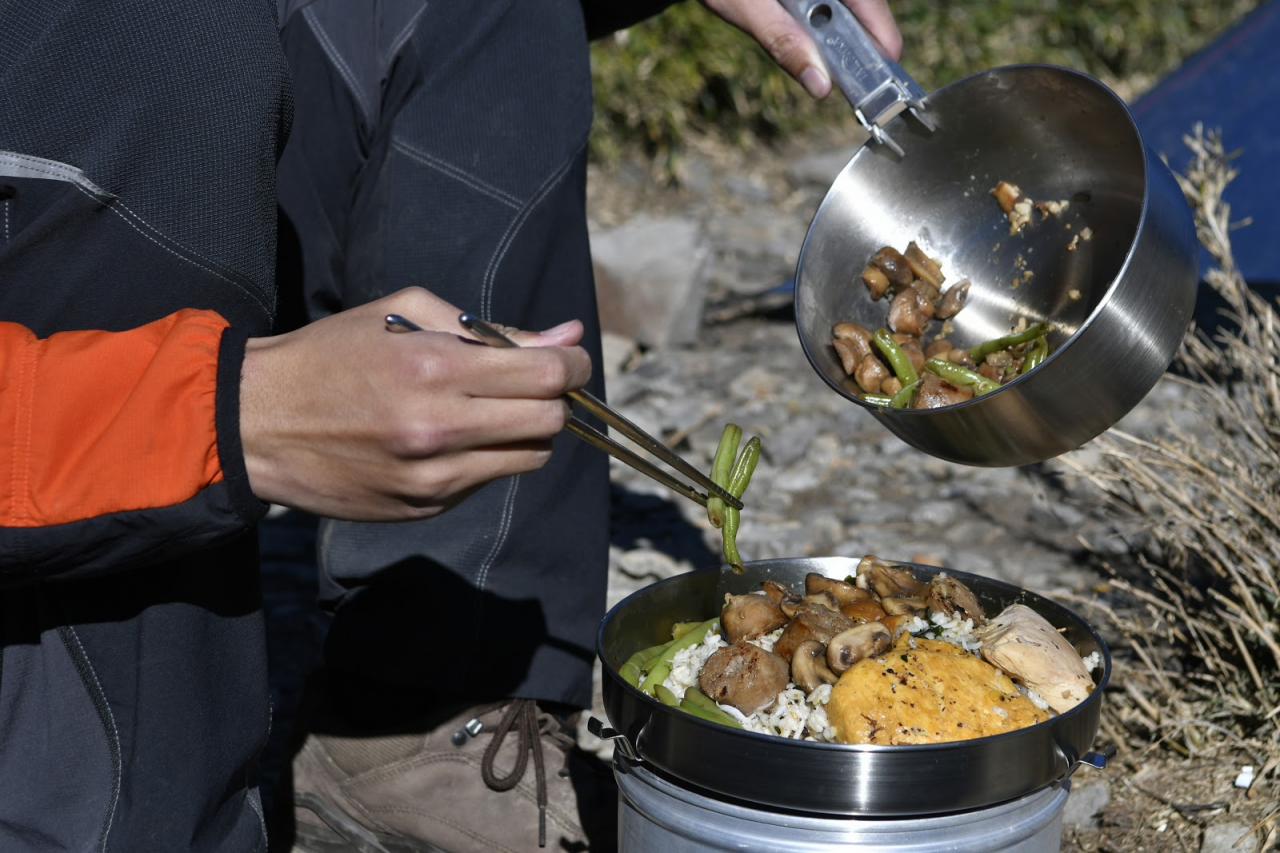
point(347, 419)
point(791, 47)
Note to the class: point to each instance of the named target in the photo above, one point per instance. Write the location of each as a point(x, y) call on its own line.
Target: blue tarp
point(1231, 86)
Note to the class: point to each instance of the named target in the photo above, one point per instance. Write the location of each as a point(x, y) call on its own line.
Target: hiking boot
point(506, 776)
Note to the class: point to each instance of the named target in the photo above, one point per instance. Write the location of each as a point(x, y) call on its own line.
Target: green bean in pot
point(1036, 354)
point(982, 350)
point(958, 375)
point(898, 360)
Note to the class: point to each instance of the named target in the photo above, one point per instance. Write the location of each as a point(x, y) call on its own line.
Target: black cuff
point(227, 422)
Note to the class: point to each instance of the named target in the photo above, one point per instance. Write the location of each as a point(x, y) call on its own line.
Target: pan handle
point(875, 85)
point(620, 741)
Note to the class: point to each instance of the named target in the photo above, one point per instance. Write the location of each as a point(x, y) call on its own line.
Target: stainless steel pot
point(826, 778)
point(1119, 303)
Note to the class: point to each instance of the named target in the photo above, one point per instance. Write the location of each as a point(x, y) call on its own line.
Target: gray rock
point(817, 171)
point(649, 279)
point(1087, 800)
point(1229, 837)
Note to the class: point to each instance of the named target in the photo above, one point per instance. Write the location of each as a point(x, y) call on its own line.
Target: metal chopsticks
point(599, 440)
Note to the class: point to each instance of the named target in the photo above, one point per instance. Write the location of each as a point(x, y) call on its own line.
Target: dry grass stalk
point(1202, 500)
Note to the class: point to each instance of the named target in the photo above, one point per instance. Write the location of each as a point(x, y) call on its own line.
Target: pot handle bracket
point(1096, 760)
point(875, 85)
point(620, 741)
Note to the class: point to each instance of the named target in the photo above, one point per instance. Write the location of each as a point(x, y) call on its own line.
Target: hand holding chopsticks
point(491, 336)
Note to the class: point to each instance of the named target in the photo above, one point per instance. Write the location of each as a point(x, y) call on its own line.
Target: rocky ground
point(832, 481)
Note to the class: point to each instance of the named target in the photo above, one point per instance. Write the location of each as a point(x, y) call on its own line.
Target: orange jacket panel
point(95, 422)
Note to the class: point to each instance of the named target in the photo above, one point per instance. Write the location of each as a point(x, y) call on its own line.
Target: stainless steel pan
point(833, 778)
point(1120, 302)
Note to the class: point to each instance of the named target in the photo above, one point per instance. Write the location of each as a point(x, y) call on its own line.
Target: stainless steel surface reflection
point(1120, 302)
point(833, 778)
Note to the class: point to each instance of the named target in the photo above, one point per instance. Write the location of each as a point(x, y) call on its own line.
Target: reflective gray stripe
point(15, 165)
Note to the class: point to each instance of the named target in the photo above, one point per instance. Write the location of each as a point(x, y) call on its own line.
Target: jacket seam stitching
point(456, 173)
point(513, 228)
point(344, 70)
point(405, 34)
point(116, 207)
point(80, 658)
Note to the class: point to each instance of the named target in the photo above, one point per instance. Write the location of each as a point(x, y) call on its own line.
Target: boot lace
point(530, 724)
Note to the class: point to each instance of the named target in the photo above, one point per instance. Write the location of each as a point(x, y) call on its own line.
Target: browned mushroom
point(745, 617)
point(924, 267)
point(866, 610)
point(894, 266)
point(934, 391)
point(870, 373)
point(853, 339)
point(843, 591)
point(950, 596)
point(848, 355)
point(861, 641)
point(909, 313)
point(952, 300)
point(938, 349)
point(745, 676)
point(823, 598)
point(809, 668)
point(813, 623)
point(885, 579)
point(910, 346)
point(902, 605)
point(775, 590)
point(876, 281)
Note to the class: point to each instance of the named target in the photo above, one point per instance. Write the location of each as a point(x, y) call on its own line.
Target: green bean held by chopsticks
point(982, 350)
point(721, 466)
point(1036, 353)
point(898, 360)
point(662, 663)
point(958, 375)
point(736, 485)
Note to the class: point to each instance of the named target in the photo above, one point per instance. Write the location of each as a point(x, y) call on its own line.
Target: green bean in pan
point(982, 350)
point(714, 715)
point(695, 698)
point(634, 666)
point(1036, 353)
point(959, 375)
point(665, 696)
point(721, 466)
point(898, 360)
point(877, 399)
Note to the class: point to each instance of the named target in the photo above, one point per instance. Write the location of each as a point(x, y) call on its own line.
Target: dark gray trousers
point(443, 144)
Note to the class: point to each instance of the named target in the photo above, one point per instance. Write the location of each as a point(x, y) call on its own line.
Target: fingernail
point(557, 330)
point(815, 81)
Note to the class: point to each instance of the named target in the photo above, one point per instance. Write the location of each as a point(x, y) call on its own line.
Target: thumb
point(564, 335)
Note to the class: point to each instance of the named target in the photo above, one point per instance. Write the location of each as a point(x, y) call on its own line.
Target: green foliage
point(686, 72)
